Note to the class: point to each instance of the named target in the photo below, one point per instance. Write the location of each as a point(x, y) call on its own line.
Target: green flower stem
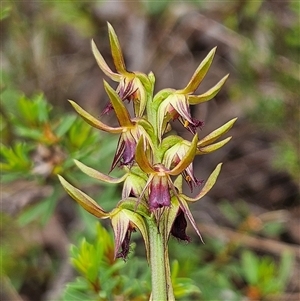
point(159, 263)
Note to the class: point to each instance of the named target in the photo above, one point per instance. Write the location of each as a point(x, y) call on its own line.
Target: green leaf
point(5, 11)
point(284, 271)
point(43, 108)
point(65, 125)
point(28, 111)
point(250, 265)
point(42, 211)
point(78, 291)
point(16, 158)
point(31, 133)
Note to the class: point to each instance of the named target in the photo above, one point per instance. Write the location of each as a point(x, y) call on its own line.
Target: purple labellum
point(159, 193)
point(179, 227)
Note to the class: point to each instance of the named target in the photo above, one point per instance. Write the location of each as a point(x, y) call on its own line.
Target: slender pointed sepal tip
point(97, 174)
point(116, 51)
point(103, 65)
point(207, 186)
point(91, 120)
point(199, 74)
point(83, 199)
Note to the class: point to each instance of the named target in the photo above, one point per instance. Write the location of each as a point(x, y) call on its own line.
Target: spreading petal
point(212, 147)
point(208, 185)
point(216, 134)
point(208, 95)
point(98, 175)
point(186, 210)
point(93, 121)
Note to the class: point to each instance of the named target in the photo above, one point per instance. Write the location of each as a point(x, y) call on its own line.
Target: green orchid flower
point(131, 84)
point(176, 148)
point(130, 130)
point(180, 202)
point(175, 104)
point(159, 181)
point(134, 179)
point(123, 220)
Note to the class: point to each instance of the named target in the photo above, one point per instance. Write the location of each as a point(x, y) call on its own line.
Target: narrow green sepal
point(208, 95)
point(93, 121)
point(216, 134)
point(83, 199)
point(144, 79)
point(116, 51)
point(98, 175)
point(151, 78)
point(199, 74)
point(147, 126)
point(135, 204)
point(212, 147)
point(208, 185)
point(103, 65)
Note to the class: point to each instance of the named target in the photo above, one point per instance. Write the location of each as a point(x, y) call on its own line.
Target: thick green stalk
point(159, 263)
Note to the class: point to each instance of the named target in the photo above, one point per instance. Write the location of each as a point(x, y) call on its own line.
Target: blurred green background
point(249, 221)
